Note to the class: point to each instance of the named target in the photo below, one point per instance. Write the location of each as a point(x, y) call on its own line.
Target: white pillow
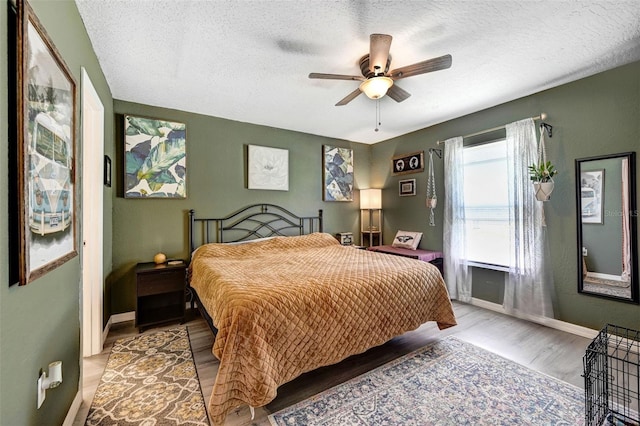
point(406, 239)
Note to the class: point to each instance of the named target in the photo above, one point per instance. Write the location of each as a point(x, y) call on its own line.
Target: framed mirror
point(607, 226)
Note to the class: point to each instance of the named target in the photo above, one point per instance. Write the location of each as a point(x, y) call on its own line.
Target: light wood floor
point(556, 353)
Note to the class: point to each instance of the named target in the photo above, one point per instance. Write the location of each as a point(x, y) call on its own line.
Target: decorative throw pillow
point(406, 239)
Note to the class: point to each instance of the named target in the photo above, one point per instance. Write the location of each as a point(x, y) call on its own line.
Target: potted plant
point(542, 176)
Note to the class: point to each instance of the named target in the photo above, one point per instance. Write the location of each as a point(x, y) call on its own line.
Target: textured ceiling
point(249, 60)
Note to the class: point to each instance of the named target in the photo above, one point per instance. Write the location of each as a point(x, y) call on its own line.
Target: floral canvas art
point(268, 168)
point(155, 158)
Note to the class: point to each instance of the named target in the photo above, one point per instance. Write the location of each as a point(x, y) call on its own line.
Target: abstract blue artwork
point(155, 158)
point(337, 173)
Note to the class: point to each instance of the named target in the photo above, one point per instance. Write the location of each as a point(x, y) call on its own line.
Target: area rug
point(447, 383)
point(150, 379)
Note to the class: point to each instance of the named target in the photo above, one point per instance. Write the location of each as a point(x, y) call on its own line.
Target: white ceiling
point(249, 60)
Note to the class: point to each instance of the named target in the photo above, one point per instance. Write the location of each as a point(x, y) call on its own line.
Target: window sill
point(487, 266)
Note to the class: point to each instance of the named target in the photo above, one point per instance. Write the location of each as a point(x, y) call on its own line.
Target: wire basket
point(612, 377)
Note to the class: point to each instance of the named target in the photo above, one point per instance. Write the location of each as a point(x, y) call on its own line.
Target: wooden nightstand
point(160, 293)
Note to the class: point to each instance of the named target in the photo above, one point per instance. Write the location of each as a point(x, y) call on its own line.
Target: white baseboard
point(114, 319)
point(604, 276)
point(73, 410)
point(105, 332)
point(125, 316)
point(549, 322)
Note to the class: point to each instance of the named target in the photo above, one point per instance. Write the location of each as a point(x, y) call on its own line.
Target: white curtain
point(626, 225)
point(456, 273)
point(529, 284)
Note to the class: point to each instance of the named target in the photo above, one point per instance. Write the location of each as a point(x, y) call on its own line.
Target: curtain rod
point(542, 116)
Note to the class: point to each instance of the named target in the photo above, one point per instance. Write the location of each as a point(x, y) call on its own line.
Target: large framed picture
point(154, 158)
point(592, 196)
point(337, 173)
point(268, 168)
point(46, 152)
point(408, 163)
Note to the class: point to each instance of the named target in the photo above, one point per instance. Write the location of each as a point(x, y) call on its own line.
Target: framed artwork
point(592, 196)
point(154, 158)
point(107, 171)
point(268, 168)
point(46, 152)
point(408, 163)
point(337, 173)
point(407, 187)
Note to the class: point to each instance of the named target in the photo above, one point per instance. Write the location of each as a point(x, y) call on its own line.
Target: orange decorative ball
point(159, 258)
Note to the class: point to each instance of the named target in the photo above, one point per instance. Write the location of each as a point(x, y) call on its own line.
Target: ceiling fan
point(376, 78)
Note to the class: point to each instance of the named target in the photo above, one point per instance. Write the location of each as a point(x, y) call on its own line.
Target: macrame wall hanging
point(542, 173)
point(432, 199)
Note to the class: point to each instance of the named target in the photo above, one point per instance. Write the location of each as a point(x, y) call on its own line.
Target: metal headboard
point(248, 223)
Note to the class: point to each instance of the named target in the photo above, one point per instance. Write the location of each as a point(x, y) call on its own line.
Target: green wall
point(593, 116)
point(216, 186)
point(40, 322)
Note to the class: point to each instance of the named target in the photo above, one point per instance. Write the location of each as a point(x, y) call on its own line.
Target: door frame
point(92, 253)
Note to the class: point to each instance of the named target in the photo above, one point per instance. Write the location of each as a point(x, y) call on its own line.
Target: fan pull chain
point(378, 121)
point(432, 199)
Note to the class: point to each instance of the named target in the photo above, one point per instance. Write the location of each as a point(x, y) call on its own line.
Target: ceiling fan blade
point(379, 45)
point(351, 96)
point(335, 76)
point(397, 94)
point(430, 65)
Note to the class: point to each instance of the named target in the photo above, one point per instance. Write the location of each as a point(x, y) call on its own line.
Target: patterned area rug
point(448, 383)
point(150, 379)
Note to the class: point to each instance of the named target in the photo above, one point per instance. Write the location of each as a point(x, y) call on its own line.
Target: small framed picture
point(408, 163)
point(107, 171)
point(407, 187)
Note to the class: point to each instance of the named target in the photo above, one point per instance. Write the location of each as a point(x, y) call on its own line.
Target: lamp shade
point(370, 199)
point(376, 87)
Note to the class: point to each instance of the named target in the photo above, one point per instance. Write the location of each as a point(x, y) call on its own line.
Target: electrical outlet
point(42, 392)
point(584, 251)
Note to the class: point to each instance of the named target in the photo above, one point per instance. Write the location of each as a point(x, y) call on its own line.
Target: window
point(486, 201)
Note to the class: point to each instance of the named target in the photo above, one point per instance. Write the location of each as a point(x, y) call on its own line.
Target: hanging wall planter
point(543, 190)
point(542, 177)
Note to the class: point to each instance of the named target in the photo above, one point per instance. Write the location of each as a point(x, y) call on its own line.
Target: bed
point(294, 299)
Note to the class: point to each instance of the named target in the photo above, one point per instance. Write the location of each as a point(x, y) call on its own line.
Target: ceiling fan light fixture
point(376, 87)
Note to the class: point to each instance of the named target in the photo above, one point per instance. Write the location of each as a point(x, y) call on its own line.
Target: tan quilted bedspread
point(289, 305)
